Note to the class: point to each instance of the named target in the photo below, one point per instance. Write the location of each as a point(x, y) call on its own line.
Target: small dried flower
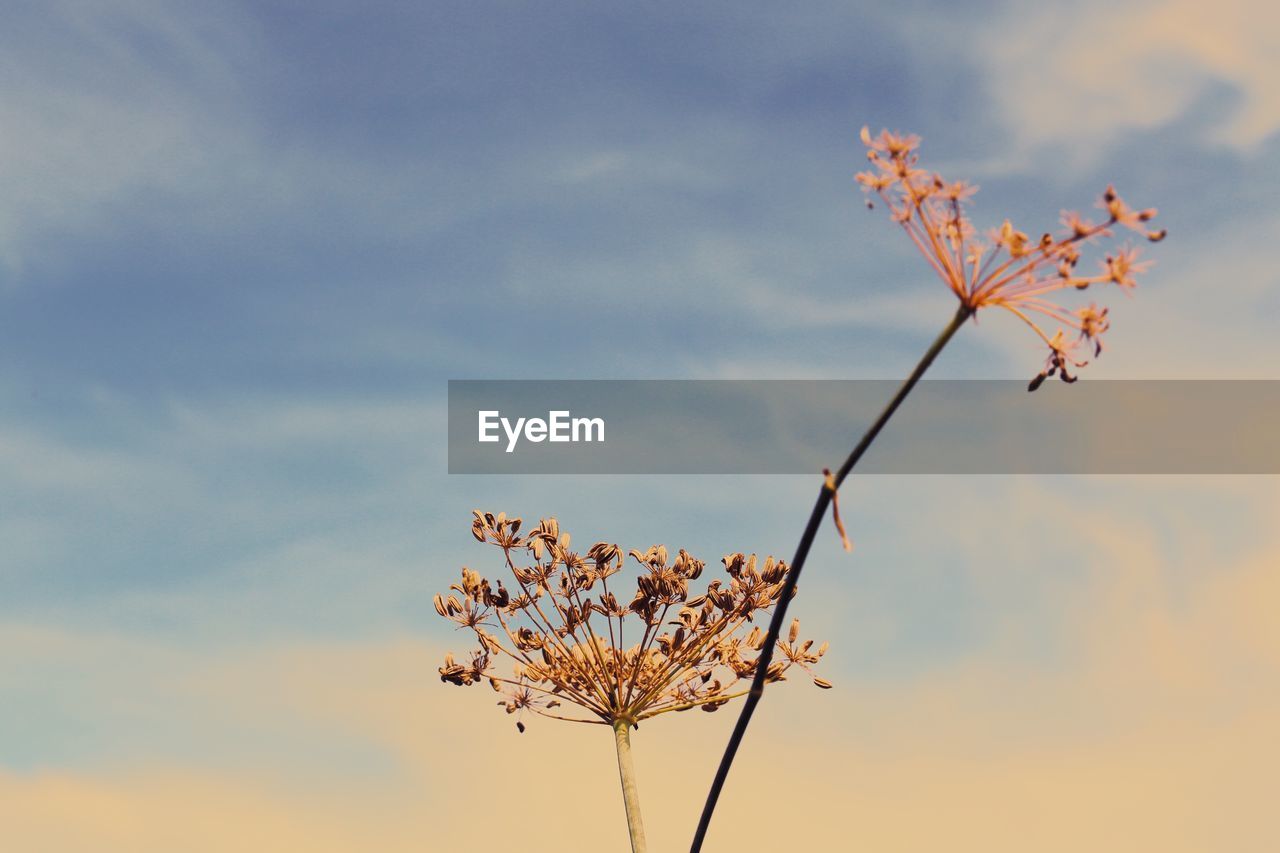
point(1010, 270)
point(563, 630)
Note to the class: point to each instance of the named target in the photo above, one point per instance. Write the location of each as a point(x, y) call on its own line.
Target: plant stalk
point(824, 499)
point(627, 774)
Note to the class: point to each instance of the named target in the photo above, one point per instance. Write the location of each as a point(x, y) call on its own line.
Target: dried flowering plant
point(563, 631)
point(1008, 270)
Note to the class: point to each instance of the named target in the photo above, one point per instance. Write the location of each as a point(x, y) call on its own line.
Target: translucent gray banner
point(800, 427)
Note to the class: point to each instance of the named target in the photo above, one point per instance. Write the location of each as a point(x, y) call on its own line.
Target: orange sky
point(1154, 732)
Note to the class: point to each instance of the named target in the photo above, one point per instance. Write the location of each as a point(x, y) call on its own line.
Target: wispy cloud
point(1075, 79)
point(106, 101)
point(1160, 703)
point(240, 251)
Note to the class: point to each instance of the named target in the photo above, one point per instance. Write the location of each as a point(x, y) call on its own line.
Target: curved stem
point(793, 574)
point(627, 773)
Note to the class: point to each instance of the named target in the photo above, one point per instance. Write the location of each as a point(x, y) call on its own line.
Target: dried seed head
point(1012, 272)
point(561, 623)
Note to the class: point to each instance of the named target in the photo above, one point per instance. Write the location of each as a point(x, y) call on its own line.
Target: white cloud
point(111, 109)
point(103, 100)
point(1075, 75)
point(298, 497)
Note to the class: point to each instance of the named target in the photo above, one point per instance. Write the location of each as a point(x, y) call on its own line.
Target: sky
point(243, 246)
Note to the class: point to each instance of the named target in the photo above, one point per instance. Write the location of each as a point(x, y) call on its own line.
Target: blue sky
point(243, 246)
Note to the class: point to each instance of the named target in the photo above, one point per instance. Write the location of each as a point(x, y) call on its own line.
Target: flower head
point(563, 629)
point(1010, 269)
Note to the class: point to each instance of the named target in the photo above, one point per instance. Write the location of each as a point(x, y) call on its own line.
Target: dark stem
point(797, 563)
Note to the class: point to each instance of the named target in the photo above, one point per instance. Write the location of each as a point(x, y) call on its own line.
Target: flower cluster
point(564, 629)
point(1008, 269)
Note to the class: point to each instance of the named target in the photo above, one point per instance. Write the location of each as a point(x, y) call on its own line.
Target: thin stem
point(627, 773)
point(685, 706)
point(646, 642)
point(548, 628)
point(793, 574)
